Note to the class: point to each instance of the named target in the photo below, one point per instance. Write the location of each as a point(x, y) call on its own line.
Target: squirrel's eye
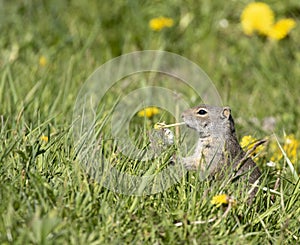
point(202, 112)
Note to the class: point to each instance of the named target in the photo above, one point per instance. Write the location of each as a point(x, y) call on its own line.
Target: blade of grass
point(290, 164)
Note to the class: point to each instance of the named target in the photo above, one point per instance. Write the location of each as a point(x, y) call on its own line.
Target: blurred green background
point(255, 76)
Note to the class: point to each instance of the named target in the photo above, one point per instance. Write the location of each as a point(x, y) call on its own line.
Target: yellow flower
point(157, 24)
point(290, 147)
point(248, 142)
point(281, 29)
point(44, 138)
point(257, 17)
point(158, 126)
point(149, 112)
point(218, 200)
point(43, 61)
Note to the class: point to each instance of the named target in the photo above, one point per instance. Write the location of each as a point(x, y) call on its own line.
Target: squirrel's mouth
point(189, 126)
point(202, 134)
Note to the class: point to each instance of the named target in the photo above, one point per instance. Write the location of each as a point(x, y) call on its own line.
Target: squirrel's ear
point(226, 112)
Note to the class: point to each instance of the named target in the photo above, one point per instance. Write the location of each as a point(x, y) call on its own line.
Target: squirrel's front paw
point(191, 164)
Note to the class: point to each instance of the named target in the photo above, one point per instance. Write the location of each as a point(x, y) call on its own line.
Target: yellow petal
point(43, 61)
point(220, 199)
point(159, 23)
point(148, 112)
point(281, 29)
point(257, 16)
point(44, 138)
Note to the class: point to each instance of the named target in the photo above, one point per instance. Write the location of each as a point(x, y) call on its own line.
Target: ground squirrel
point(218, 148)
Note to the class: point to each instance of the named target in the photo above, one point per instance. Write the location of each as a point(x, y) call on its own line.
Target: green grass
point(46, 197)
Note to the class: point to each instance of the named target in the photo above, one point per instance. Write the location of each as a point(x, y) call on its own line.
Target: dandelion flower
point(43, 61)
point(290, 147)
point(257, 17)
point(248, 142)
point(157, 24)
point(276, 153)
point(149, 112)
point(218, 200)
point(281, 29)
point(44, 138)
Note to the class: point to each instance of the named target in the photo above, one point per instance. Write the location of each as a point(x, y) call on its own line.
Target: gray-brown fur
point(218, 148)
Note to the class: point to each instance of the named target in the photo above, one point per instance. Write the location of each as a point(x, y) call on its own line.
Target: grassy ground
point(49, 48)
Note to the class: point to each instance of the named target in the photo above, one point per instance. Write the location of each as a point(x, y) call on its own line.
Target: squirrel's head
point(209, 120)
